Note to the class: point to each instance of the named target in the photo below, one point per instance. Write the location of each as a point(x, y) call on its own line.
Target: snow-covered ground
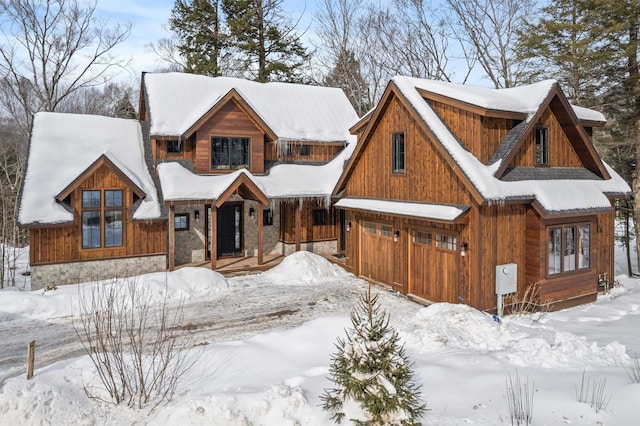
point(264, 344)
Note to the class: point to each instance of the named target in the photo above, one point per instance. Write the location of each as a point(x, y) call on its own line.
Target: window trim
point(180, 145)
point(320, 217)
point(229, 166)
point(395, 142)
point(102, 211)
point(577, 247)
point(181, 215)
point(544, 143)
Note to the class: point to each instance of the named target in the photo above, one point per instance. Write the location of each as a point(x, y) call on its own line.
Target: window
point(397, 153)
point(305, 150)
point(181, 222)
point(420, 237)
point(174, 147)
point(229, 153)
point(102, 218)
point(385, 230)
point(446, 242)
point(320, 217)
point(369, 227)
point(569, 248)
point(542, 146)
point(267, 217)
point(285, 150)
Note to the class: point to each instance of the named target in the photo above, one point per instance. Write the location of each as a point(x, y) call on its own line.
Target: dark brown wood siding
point(63, 244)
point(309, 231)
point(318, 152)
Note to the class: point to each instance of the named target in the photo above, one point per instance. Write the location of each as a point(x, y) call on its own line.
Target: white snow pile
point(183, 284)
point(304, 267)
point(517, 339)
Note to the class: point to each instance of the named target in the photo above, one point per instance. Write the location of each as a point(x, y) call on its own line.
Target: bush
point(372, 372)
point(133, 343)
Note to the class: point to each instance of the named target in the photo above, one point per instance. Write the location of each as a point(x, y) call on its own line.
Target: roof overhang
point(447, 213)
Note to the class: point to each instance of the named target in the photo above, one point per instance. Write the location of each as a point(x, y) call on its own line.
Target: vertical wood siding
point(230, 121)
point(63, 244)
point(561, 152)
point(309, 231)
point(318, 152)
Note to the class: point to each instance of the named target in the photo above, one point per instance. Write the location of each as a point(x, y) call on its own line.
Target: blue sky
point(149, 16)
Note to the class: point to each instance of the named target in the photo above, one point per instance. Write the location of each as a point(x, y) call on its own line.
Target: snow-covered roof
point(180, 184)
point(283, 181)
point(400, 208)
point(301, 180)
point(63, 146)
point(553, 196)
point(523, 99)
point(176, 101)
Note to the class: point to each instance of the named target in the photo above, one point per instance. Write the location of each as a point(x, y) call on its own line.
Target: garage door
point(433, 266)
point(376, 251)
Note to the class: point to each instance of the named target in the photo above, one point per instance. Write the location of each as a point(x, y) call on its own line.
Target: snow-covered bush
point(373, 376)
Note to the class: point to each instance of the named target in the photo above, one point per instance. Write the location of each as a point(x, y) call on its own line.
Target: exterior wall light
point(196, 214)
point(396, 235)
point(463, 249)
point(252, 212)
point(348, 226)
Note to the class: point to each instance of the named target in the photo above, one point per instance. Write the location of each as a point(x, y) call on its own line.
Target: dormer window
point(542, 146)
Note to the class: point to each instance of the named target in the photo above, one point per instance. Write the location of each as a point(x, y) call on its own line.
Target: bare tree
point(52, 49)
point(489, 29)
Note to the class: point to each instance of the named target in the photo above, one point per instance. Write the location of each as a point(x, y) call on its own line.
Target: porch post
point(260, 236)
point(298, 225)
point(172, 238)
point(214, 235)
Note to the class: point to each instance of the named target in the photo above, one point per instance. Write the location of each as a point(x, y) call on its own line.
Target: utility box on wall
point(506, 279)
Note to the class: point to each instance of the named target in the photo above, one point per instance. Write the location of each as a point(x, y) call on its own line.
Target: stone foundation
point(317, 247)
point(93, 270)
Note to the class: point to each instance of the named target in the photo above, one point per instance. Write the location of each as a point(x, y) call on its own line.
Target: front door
point(229, 230)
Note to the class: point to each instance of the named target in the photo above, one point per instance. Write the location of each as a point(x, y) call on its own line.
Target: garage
point(433, 265)
point(376, 248)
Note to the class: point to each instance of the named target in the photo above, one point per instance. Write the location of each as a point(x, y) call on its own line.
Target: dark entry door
point(229, 230)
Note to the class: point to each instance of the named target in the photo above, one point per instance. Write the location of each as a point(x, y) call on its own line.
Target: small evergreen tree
point(372, 370)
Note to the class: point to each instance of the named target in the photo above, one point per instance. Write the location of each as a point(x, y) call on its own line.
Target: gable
point(427, 177)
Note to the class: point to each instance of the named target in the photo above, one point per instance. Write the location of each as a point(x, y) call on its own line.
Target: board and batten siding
point(58, 244)
point(320, 152)
point(308, 232)
point(229, 121)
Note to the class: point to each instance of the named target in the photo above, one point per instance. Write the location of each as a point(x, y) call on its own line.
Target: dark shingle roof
point(548, 173)
point(509, 141)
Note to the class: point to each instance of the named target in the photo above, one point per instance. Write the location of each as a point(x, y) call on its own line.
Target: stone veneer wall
point(88, 271)
point(318, 247)
point(270, 234)
point(190, 244)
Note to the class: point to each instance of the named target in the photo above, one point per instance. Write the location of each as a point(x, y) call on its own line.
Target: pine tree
point(271, 48)
point(372, 370)
point(197, 24)
point(346, 75)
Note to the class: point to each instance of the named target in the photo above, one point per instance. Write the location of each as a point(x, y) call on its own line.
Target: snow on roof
point(283, 181)
point(421, 210)
point(552, 195)
point(180, 184)
point(298, 180)
point(63, 146)
point(176, 101)
point(522, 99)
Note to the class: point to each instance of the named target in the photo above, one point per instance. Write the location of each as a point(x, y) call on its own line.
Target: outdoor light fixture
point(396, 235)
point(348, 226)
point(463, 249)
point(252, 212)
point(196, 214)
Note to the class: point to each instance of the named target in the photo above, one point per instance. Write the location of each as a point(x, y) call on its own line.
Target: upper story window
point(174, 147)
point(569, 248)
point(229, 153)
point(542, 146)
point(397, 153)
point(102, 218)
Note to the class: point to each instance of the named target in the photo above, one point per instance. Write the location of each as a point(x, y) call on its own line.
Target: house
point(451, 186)
point(215, 167)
